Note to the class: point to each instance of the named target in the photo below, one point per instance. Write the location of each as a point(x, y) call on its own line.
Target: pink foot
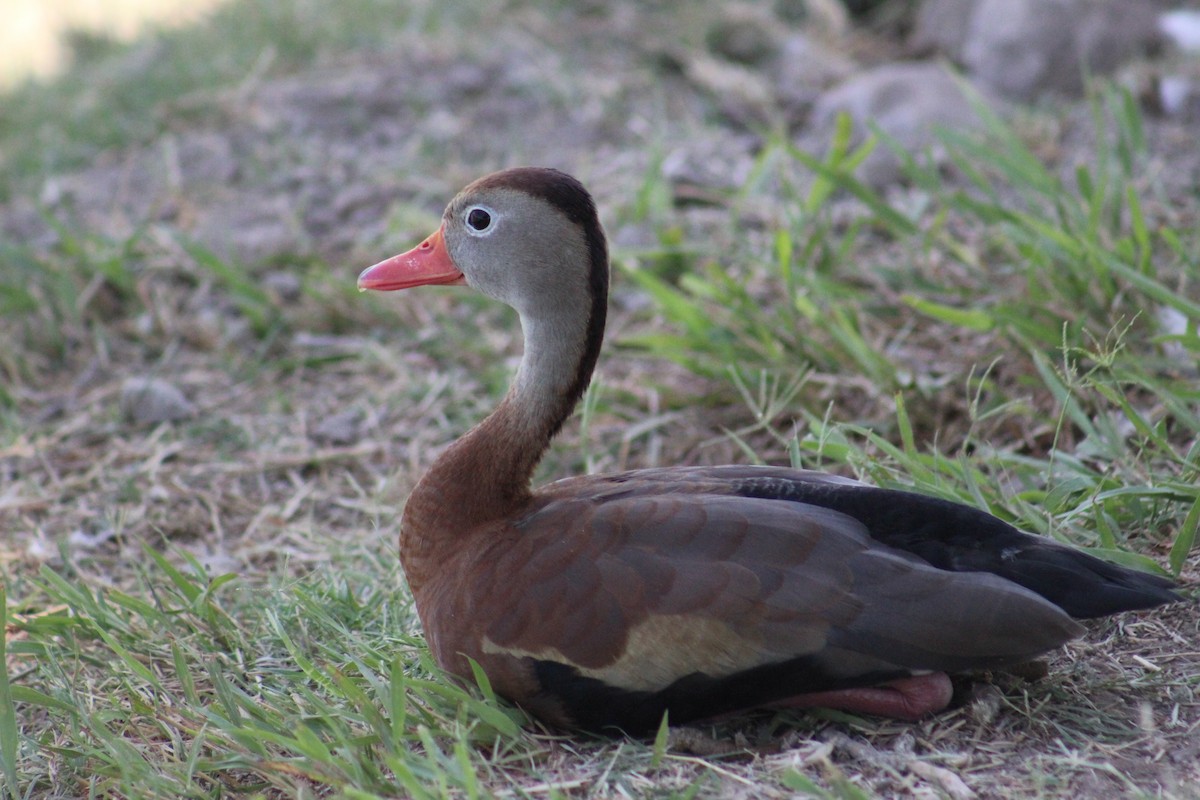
point(904, 698)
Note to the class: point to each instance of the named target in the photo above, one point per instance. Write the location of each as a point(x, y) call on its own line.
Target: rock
point(213, 560)
point(285, 286)
point(1173, 325)
point(1179, 96)
point(907, 101)
point(1182, 28)
point(205, 157)
point(942, 25)
point(742, 93)
point(720, 163)
point(149, 401)
point(1022, 48)
point(747, 34)
point(82, 540)
point(755, 67)
point(827, 18)
point(802, 70)
point(1109, 34)
point(342, 428)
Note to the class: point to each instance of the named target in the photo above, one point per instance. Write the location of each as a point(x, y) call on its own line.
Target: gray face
point(518, 249)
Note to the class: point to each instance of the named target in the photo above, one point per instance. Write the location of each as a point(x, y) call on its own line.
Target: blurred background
point(34, 40)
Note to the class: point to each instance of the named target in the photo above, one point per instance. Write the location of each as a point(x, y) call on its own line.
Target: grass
point(1068, 286)
point(285, 686)
point(117, 94)
point(214, 607)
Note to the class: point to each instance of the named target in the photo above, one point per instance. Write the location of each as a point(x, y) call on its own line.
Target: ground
point(214, 247)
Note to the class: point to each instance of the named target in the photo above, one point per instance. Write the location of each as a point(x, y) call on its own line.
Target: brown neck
point(485, 475)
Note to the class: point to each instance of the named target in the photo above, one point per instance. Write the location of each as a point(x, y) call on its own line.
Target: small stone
point(83, 540)
point(742, 93)
point(1182, 29)
point(1174, 325)
point(942, 26)
point(744, 33)
point(149, 401)
point(215, 561)
point(803, 69)
point(1033, 670)
point(826, 18)
point(286, 286)
point(984, 703)
point(338, 429)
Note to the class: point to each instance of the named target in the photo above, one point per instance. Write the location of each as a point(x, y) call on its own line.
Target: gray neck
point(554, 345)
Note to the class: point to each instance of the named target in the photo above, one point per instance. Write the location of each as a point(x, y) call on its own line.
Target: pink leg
point(904, 698)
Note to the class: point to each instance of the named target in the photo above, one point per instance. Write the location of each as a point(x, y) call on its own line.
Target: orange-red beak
point(427, 263)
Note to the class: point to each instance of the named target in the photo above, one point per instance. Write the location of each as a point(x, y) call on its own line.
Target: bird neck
point(486, 474)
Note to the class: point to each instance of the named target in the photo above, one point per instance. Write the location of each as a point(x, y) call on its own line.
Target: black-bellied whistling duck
point(601, 602)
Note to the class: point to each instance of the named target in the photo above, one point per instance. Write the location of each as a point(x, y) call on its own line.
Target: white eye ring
point(479, 220)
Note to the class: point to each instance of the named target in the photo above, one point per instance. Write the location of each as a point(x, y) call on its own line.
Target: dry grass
point(213, 604)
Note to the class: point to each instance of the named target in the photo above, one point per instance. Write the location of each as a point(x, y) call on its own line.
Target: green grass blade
point(1185, 540)
point(659, 751)
point(9, 734)
point(975, 319)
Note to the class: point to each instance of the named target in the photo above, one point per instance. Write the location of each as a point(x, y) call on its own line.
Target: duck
point(608, 602)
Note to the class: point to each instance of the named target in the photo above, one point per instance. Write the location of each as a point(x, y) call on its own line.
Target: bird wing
point(641, 590)
point(944, 534)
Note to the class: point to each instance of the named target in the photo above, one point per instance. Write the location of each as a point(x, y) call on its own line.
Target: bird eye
point(479, 220)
